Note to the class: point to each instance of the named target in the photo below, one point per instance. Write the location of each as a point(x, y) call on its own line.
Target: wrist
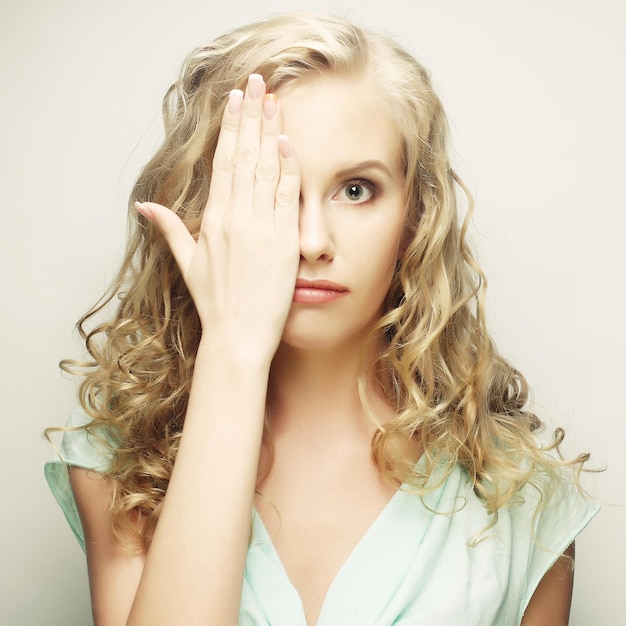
point(238, 356)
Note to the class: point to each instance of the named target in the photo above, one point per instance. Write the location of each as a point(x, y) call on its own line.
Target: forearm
point(247, 251)
point(194, 568)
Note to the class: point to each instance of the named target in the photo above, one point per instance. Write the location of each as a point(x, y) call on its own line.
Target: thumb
point(176, 234)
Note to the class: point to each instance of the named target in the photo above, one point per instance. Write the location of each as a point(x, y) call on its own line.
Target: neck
point(317, 392)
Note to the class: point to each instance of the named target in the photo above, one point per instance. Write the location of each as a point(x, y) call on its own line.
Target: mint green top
point(413, 566)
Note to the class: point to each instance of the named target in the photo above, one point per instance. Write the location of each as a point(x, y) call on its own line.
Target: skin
point(334, 212)
point(321, 435)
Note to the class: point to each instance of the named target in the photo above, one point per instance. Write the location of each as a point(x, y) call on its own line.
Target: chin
point(310, 342)
point(323, 338)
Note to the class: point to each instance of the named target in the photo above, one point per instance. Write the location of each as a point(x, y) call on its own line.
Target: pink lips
point(318, 291)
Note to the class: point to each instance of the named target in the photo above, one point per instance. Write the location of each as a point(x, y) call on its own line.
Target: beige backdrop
point(536, 95)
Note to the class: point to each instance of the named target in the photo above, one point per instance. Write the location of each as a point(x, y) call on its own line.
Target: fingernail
point(143, 210)
point(284, 146)
point(270, 106)
point(256, 87)
point(235, 100)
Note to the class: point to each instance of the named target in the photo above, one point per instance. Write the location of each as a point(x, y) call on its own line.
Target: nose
point(316, 239)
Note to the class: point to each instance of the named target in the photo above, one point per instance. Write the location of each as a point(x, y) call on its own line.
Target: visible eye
point(355, 192)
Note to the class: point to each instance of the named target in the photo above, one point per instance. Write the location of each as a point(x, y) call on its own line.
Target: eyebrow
point(364, 165)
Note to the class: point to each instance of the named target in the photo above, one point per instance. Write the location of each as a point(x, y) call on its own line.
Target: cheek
point(375, 241)
point(380, 257)
point(373, 250)
point(391, 243)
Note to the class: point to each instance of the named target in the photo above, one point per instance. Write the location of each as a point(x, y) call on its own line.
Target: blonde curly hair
point(452, 392)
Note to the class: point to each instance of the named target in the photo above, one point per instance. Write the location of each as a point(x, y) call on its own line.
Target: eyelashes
point(356, 191)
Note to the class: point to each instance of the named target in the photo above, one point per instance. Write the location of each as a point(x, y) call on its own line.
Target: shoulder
point(543, 525)
point(514, 556)
point(80, 447)
point(84, 445)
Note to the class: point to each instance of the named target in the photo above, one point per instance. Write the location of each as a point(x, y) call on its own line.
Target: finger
point(248, 142)
point(267, 170)
point(224, 157)
point(176, 234)
point(287, 202)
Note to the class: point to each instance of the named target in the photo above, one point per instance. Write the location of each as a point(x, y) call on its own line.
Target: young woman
point(296, 415)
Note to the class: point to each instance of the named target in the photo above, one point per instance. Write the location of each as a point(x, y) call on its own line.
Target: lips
point(318, 291)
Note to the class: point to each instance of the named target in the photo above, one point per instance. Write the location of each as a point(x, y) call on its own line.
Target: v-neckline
point(262, 535)
point(393, 537)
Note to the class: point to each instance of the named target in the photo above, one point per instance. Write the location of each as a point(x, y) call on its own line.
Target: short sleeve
point(79, 448)
point(558, 524)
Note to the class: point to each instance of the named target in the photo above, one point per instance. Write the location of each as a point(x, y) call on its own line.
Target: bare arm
point(247, 252)
point(550, 604)
point(113, 573)
point(199, 547)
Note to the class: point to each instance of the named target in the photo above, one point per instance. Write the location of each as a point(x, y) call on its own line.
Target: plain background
point(536, 96)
